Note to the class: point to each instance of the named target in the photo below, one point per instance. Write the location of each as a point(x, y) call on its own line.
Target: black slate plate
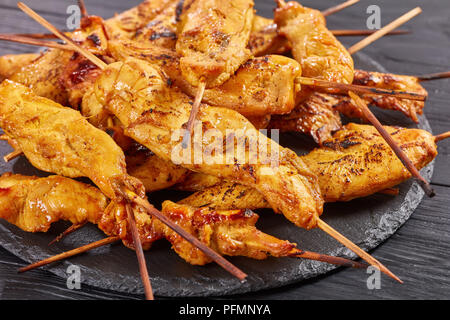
point(367, 222)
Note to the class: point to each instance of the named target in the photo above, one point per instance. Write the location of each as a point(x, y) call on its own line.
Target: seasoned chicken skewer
point(152, 121)
point(324, 57)
point(318, 115)
point(269, 185)
point(147, 118)
point(60, 140)
point(355, 163)
point(212, 40)
point(231, 232)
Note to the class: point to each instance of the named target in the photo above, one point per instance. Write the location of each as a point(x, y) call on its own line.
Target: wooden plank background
point(419, 253)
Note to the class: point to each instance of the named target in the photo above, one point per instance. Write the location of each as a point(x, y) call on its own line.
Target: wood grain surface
point(419, 253)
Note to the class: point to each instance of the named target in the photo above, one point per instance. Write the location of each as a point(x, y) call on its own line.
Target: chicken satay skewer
point(61, 36)
point(70, 253)
point(383, 31)
point(346, 241)
point(387, 137)
point(31, 41)
point(433, 76)
point(140, 253)
point(130, 195)
point(339, 88)
point(359, 32)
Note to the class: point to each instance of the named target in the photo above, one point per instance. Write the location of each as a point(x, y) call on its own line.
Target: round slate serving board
point(367, 222)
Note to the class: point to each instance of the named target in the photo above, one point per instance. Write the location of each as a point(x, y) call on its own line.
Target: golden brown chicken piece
point(33, 203)
point(153, 113)
point(355, 163)
point(125, 25)
point(319, 53)
point(315, 116)
point(12, 63)
point(231, 233)
point(264, 38)
point(60, 140)
point(43, 75)
point(261, 86)
point(161, 30)
point(155, 173)
point(212, 39)
point(318, 114)
point(228, 232)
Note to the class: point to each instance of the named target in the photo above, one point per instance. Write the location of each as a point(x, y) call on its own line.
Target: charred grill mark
point(179, 10)
point(95, 39)
point(82, 70)
point(164, 34)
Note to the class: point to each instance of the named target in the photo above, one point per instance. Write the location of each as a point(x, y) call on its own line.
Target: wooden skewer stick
point(339, 7)
point(358, 32)
point(34, 42)
point(66, 232)
point(344, 88)
point(11, 156)
point(346, 242)
point(34, 35)
point(83, 10)
point(61, 36)
point(131, 195)
point(336, 32)
point(383, 31)
point(442, 136)
point(394, 146)
point(434, 76)
point(70, 253)
point(140, 254)
point(297, 253)
point(186, 235)
point(193, 115)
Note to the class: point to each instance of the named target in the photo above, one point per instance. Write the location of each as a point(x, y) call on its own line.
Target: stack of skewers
point(107, 102)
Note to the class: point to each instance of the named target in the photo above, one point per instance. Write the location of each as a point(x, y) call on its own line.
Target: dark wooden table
point(419, 253)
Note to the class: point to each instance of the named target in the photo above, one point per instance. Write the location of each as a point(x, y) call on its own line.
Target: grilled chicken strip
point(162, 30)
point(152, 113)
point(231, 232)
point(60, 140)
point(355, 163)
point(212, 39)
point(261, 86)
point(125, 25)
point(318, 114)
point(319, 53)
point(12, 63)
